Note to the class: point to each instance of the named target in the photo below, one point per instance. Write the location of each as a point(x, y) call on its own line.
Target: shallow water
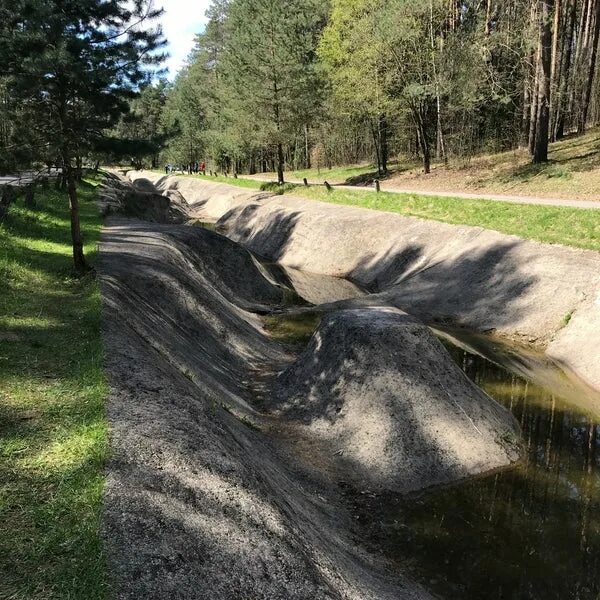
point(532, 531)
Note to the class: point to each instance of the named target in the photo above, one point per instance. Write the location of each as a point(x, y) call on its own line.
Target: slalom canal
point(531, 531)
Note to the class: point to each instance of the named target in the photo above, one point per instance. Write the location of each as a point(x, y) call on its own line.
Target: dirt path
point(390, 187)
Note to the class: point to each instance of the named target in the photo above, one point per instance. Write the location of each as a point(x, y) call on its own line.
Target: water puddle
point(530, 532)
point(301, 288)
point(211, 226)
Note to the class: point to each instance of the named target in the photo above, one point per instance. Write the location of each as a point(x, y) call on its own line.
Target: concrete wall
point(547, 295)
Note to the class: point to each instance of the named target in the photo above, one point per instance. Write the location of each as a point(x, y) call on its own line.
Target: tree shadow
point(199, 503)
point(268, 239)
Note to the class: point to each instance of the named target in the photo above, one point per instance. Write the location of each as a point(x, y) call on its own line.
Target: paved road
point(539, 200)
point(25, 177)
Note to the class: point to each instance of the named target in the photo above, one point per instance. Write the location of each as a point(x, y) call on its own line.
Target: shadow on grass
point(52, 389)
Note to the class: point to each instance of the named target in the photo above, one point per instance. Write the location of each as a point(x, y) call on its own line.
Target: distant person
point(203, 168)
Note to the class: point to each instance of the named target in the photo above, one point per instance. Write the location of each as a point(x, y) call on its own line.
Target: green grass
point(333, 175)
point(575, 227)
point(53, 434)
point(277, 188)
point(556, 225)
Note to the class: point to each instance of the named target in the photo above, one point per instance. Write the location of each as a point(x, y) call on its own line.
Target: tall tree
point(356, 62)
point(270, 65)
point(78, 61)
point(540, 151)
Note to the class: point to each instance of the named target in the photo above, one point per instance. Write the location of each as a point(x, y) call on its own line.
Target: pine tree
point(77, 61)
point(270, 66)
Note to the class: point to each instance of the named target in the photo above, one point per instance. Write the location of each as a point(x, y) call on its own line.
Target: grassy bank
point(52, 393)
point(556, 225)
point(572, 171)
point(579, 228)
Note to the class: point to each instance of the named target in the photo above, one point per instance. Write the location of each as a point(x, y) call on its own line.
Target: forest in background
point(272, 85)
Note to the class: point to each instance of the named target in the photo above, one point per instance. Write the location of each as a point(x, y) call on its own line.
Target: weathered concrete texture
point(141, 199)
point(314, 288)
point(375, 389)
point(199, 502)
point(466, 275)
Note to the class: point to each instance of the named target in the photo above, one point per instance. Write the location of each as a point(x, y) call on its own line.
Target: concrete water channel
point(531, 531)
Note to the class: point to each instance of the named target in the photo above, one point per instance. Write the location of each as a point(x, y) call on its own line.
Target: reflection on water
point(530, 532)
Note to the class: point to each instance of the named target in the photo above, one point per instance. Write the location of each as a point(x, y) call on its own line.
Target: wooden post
point(377, 186)
point(30, 195)
point(305, 182)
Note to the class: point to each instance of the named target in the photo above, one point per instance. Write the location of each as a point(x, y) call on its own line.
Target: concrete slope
point(377, 391)
point(198, 502)
point(205, 497)
point(539, 293)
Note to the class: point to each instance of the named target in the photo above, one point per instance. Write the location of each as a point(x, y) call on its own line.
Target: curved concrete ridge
point(204, 499)
point(198, 503)
point(375, 389)
point(543, 294)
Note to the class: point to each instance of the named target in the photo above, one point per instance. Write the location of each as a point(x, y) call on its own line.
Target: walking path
point(25, 177)
point(387, 187)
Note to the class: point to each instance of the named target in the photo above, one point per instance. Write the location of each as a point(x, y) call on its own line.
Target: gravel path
point(390, 187)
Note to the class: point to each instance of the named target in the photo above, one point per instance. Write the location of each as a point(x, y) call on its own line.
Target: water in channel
point(529, 532)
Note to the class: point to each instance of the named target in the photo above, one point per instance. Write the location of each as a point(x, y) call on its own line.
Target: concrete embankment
point(546, 295)
point(231, 455)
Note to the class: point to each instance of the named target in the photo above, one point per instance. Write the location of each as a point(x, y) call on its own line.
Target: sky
point(181, 21)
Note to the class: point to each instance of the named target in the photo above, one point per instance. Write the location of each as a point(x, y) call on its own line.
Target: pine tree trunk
point(526, 113)
point(280, 163)
point(565, 79)
point(382, 132)
point(590, 67)
point(533, 116)
point(540, 153)
point(306, 148)
point(554, 65)
point(78, 257)
point(377, 146)
point(423, 141)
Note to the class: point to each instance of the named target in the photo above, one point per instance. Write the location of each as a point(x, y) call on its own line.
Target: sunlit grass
point(575, 227)
point(557, 225)
point(52, 394)
point(332, 175)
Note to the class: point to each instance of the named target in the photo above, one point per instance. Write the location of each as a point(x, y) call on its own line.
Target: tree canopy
point(70, 68)
point(272, 84)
